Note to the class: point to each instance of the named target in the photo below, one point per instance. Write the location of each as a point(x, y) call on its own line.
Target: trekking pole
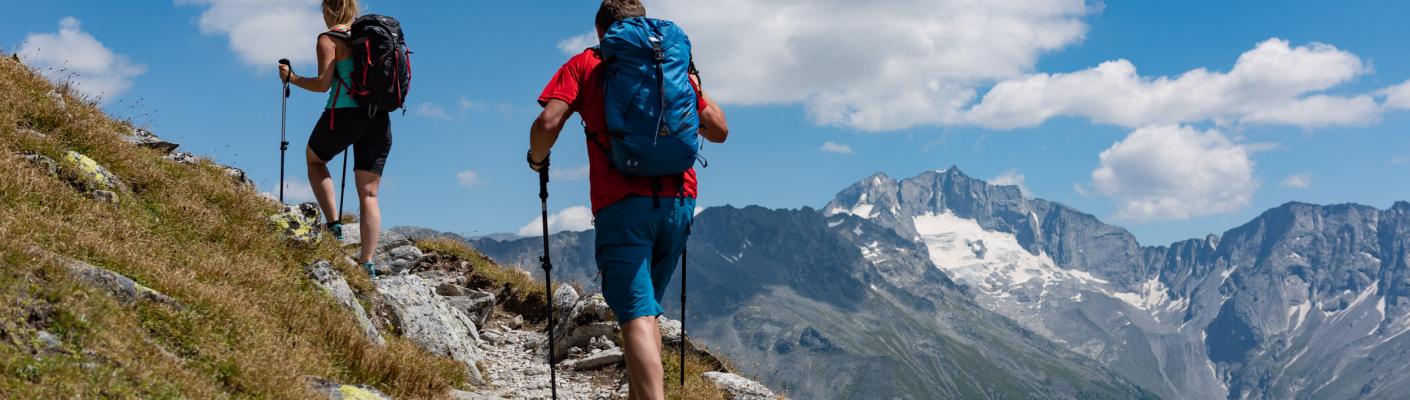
point(684, 255)
point(548, 276)
point(283, 129)
point(343, 189)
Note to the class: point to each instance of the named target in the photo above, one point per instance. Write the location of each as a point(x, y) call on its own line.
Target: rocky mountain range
point(942, 285)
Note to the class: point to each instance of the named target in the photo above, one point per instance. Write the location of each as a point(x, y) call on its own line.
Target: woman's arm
point(712, 119)
point(327, 54)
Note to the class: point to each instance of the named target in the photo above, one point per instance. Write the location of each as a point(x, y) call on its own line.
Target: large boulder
point(430, 321)
point(144, 138)
point(298, 224)
point(332, 282)
point(739, 388)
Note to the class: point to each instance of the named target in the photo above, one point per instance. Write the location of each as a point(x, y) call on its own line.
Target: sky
point(1172, 119)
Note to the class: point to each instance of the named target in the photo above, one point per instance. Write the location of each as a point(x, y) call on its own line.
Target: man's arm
point(544, 133)
point(712, 119)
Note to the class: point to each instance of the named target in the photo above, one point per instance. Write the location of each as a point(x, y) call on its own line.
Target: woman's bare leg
point(322, 183)
point(371, 213)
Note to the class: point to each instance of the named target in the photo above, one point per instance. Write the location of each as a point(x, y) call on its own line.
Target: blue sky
point(1287, 101)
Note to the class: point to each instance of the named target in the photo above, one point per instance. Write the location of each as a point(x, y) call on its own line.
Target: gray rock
point(403, 258)
point(490, 337)
point(105, 196)
point(48, 164)
point(332, 282)
point(181, 157)
point(121, 287)
point(50, 341)
point(740, 388)
point(337, 391)
point(145, 138)
point(389, 240)
point(565, 298)
point(581, 320)
point(239, 175)
point(431, 322)
point(464, 395)
point(444, 288)
point(670, 330)
point(477, 305)
point(598, 360)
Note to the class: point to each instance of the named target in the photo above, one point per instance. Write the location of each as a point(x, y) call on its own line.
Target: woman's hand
point(285, 73)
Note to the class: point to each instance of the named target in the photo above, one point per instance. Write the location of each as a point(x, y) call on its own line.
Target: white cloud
point(261, 32)
point(467, 104)
point(1397, 96)
point(1011, 178)
point(1298, 181)
point(571, 219)
point(431, 110)
point(576, 44)
point(836, 148)
point(468, 179)
point(571, 174)
point(76, 56)
point(295, 191)
point(1174, 172)
point(868, 65)
point(1399, 160)
point(1274, 83)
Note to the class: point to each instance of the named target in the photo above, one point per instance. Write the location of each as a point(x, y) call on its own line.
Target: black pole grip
point(543, 184)
point(285, 62)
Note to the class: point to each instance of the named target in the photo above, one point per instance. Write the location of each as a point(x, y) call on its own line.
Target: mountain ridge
point(1092, 288)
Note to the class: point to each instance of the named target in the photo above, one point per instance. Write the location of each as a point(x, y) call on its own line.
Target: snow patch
point(997, 265)
point(1152, 295)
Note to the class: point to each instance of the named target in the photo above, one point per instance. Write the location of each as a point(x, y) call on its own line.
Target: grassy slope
point(252, 326)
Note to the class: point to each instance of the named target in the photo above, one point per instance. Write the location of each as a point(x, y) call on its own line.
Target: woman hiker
point(344, 123)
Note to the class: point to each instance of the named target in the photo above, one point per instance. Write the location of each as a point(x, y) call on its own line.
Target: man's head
point(617, 10)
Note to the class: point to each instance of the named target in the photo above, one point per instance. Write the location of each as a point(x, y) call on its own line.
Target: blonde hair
point(340, 11)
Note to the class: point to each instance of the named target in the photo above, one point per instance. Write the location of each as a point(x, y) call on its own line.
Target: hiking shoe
point(371, 269)
point(336, 229)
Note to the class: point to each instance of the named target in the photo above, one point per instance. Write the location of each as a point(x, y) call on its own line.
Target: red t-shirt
point(578, 83)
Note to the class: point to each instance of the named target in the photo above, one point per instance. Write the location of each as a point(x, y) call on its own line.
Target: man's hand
point(540, 166)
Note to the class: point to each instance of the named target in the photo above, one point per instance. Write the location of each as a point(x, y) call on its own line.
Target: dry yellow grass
point(251, 326)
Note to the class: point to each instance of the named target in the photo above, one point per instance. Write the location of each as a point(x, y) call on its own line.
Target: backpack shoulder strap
point(343, 34)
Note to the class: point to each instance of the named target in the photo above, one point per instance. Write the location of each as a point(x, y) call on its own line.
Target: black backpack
point(381, 76)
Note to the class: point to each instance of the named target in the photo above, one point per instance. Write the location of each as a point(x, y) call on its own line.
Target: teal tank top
point(340, 94)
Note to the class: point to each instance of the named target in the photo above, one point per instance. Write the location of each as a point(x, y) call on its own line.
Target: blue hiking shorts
point(638, 245)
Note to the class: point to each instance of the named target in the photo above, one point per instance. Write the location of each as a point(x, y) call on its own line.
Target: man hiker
point(642, 222)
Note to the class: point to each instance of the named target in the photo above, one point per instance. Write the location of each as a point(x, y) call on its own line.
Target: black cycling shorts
point(369, 136)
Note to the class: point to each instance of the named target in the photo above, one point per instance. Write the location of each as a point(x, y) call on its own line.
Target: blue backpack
point(651, 104)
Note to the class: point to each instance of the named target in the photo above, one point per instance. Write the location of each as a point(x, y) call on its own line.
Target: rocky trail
point(434, 300)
